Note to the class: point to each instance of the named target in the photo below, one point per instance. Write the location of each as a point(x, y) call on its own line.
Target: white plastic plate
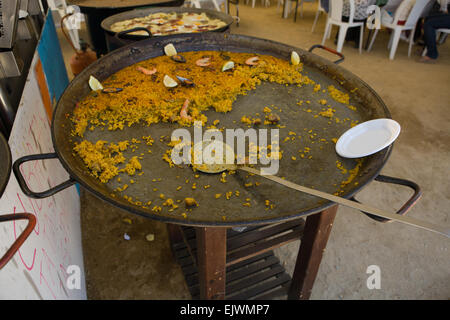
point(367, 138)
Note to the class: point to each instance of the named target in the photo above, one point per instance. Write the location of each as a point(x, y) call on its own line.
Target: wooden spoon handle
point(353, 204)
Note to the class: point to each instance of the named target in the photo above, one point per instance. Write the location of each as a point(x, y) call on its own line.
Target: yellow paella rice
point(338, 95)
point(145, 99)
point(101, 158)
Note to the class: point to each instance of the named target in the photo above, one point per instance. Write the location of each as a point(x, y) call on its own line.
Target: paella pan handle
point(408, 204)
point(329, 50)
point(22, 183)
point(118, 35)
point(23, 236)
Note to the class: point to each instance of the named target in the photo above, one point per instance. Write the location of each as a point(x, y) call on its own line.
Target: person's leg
point(429, 28)
point(354, 34)
point(418, 32)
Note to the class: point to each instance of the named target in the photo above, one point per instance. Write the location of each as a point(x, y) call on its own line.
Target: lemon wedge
point(95, 84)
point(170, 50)
point(295, 58)
point(228, 65)
point(169, 82)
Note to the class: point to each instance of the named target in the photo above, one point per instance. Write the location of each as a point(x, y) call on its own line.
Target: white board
point(39, 269)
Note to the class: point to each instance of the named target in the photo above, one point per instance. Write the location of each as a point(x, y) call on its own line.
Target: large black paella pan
point(251, 199)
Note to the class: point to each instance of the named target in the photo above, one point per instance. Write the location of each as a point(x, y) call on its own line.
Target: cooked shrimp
point(183, 112)
point(146, 71)
point(253, 61)
point(204, 62)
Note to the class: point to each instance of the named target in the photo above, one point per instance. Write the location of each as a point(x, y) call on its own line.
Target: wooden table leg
point(211, 259)
point(313, 243)
point(175, 235)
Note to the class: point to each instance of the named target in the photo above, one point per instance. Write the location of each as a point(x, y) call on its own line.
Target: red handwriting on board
point(28, 267)
point(49, 249)
point(47, 269)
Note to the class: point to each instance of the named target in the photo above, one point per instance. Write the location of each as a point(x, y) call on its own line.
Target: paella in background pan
point(162, 23)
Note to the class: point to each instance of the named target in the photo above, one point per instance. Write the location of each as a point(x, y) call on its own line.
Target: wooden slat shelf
point(252, 270)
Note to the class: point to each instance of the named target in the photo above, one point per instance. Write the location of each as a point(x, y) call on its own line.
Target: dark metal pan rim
point(367, 178)
point(106, 7)
point(6, 162)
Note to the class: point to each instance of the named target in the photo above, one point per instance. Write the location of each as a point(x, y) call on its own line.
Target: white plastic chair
point(335, 18)
point(397, 29)
point(207, 3)
point(320, 9)
point(444, 33)
point(265, 3)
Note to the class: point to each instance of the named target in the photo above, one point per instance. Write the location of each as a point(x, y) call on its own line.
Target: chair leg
point(424, 52)
point(373, 40)
point(301, 9)
point(253, 3)
point(411, 41)
point(361, 39)
point(327, 31)
point(315, 20)
point(442, 37)
point(395, 40)
point(390, 40)
point(295, 13)
point(341, 37)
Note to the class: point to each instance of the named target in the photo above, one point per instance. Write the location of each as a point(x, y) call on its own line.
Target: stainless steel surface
point(30, 6)
point(25, 30)
point(11, 57)
point(9, 10)
point(18, 40)
point(355, 205)
point(11, 64)
point(7, 111)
